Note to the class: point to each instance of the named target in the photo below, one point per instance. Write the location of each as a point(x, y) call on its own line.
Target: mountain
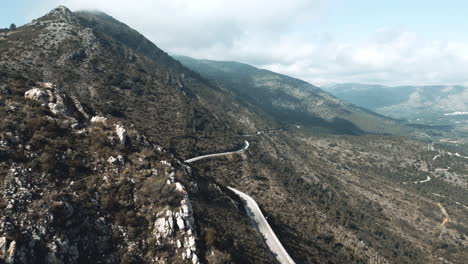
point(291, 100)
point(420, 104)
point(97, 123)
point(104, 66)
point(84, 67)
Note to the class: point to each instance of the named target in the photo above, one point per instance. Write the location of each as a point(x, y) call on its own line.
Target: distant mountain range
point(429, 104)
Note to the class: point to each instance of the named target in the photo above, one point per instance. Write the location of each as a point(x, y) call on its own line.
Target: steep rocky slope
point(81, 189)
point(76, 188)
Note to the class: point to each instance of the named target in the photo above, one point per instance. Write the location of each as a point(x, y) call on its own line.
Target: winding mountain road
point(253, 210)
point(423, 181)
point(244, 148)
point(264, 228)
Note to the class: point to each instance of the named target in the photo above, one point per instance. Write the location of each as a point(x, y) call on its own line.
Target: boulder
point(54, 99)
point(37, 95)
point(112, 160)
point(98, 119)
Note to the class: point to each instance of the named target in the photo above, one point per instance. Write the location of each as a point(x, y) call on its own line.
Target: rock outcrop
point(55, 100)
point(121, 133)
point(174, 227)
point(98, 119)
point(38, 95)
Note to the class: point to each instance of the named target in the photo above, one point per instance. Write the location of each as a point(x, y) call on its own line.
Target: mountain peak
point(61, 9)
point(62, 14)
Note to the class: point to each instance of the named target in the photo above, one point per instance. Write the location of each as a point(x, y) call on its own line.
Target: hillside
point(97, 123)
point(293, 101)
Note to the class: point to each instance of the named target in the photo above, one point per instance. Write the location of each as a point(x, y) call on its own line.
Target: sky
point(321, 41)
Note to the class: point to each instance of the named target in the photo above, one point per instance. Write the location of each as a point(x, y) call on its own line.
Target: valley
point(438, 106)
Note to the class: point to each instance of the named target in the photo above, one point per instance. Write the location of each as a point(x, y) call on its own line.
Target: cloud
point(390, 58)
point(201, 23)
point(270, 34)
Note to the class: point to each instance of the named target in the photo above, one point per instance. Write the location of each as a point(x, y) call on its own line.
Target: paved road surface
point(423, 181)
point(264, 228)
point(246, 146)
point(255, 213)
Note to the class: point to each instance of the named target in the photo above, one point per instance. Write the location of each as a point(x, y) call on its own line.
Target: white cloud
point(270, 34)
point(201, 23)
point(397, 59)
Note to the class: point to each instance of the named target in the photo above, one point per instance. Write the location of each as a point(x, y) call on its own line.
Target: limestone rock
point(121, 133)
point(51, 97)
point(121, 159)
point(112, 160)
point(3, 248)
point(46, 84)
point(79, 107)
point(37, 95)
point(98, 119)
point(63, 14)
point(175, 228)
point(10, 254)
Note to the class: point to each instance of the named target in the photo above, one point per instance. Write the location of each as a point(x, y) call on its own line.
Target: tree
point(12, 26)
